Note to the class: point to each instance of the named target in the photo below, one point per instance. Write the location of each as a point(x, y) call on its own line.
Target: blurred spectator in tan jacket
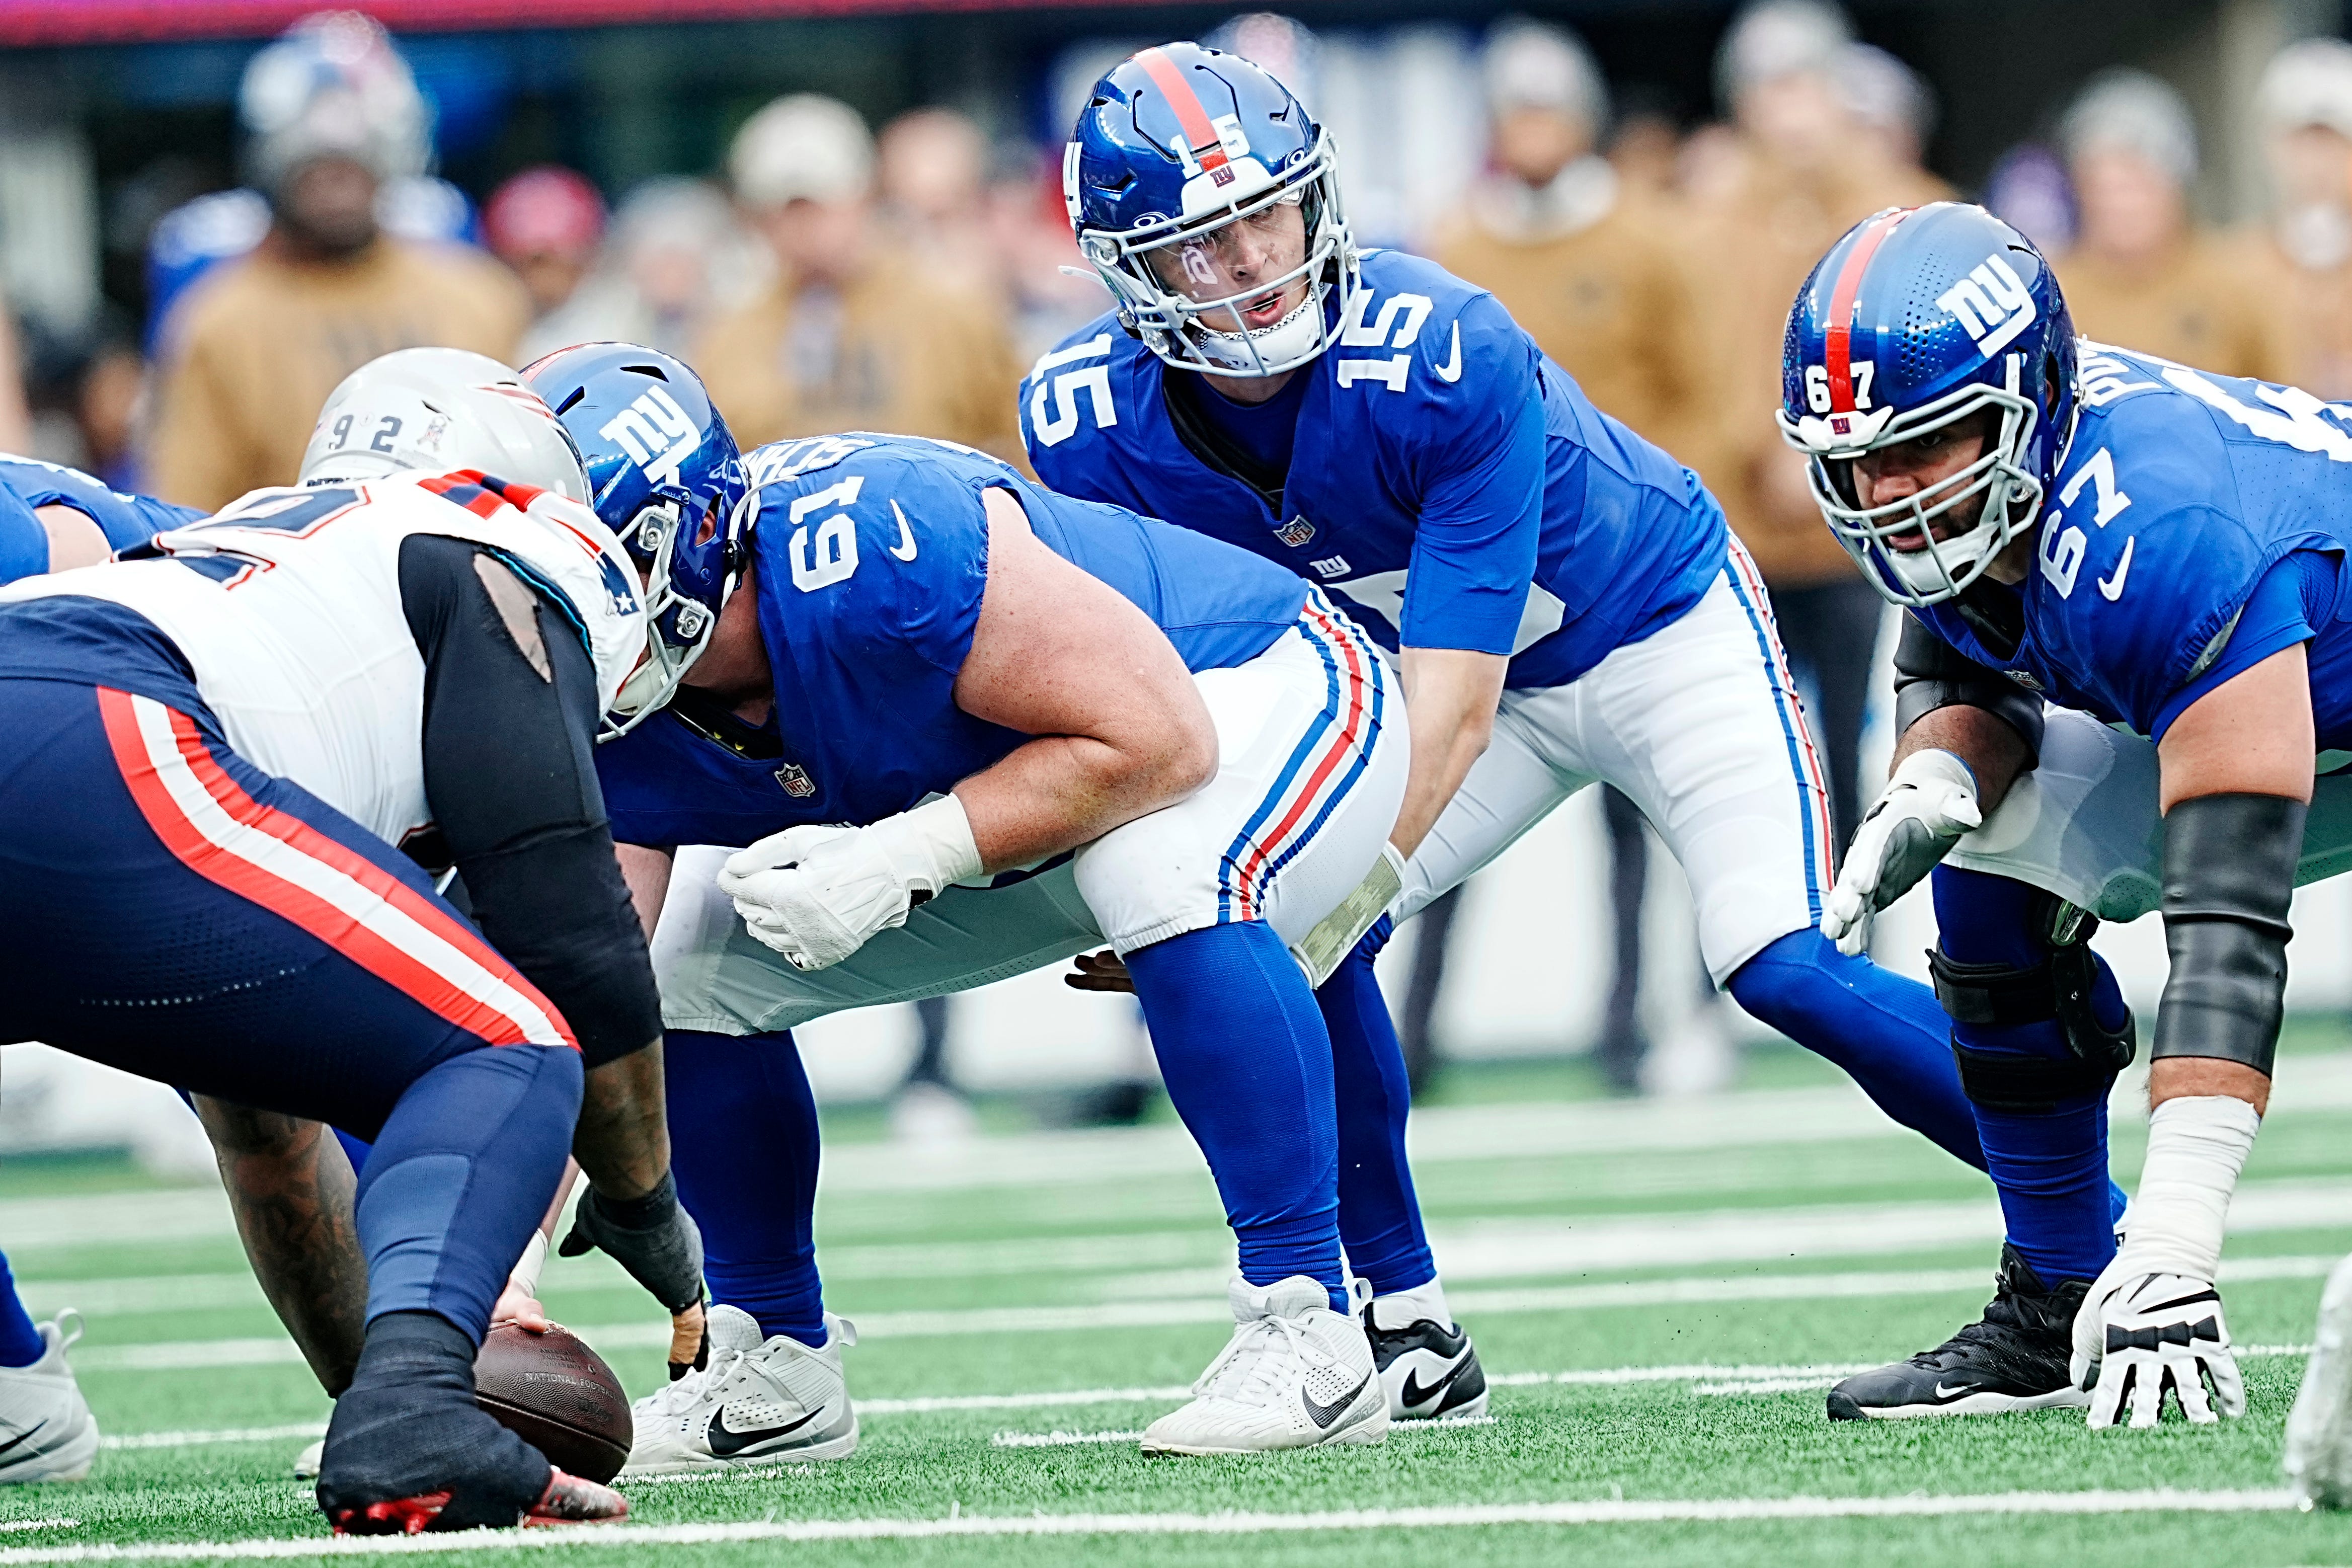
point(547, 224)
point(2305, 248)
point(2139, 276)
point(1827, 133)
point(1586, 265)
point(248, 355)
point(675, 259)
point(857, 333)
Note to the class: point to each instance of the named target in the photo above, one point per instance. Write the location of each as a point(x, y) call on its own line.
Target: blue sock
point(461, 1176)
point(1380, 1217)
point(743, 1146)
point(1888, 1033)
point(20, 1343)
point(2051, 1168)
point(1248, 1064)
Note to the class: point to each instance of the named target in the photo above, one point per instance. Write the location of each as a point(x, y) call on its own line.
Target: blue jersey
point(1447, 481)
point(2241, 491)
point(871, 555)
point(27, 484)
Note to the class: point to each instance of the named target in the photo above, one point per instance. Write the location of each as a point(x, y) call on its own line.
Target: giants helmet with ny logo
point(1920, 318)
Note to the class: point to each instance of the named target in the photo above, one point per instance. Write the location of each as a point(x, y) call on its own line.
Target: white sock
point(1403, 1308)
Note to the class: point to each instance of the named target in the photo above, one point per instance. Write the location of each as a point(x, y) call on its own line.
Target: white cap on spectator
point(2133, 111)
point(1534, 65)
point(332, 86)
point(1881, 91)
point(2308, 83)
point(806, 145)
point(1774, 38)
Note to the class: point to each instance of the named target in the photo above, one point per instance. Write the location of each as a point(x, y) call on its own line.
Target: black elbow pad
point(1930, 673)
point(2228, 875)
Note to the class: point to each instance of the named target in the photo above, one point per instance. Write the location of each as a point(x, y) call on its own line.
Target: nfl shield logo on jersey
point(796, 782)
point(1296, 532)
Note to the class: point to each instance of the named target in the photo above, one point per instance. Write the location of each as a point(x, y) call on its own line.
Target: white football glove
point(1914, 823)
point(2139, 1333)
point(818, 894)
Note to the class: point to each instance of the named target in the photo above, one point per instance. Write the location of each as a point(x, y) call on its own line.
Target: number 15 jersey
point(1447, 483)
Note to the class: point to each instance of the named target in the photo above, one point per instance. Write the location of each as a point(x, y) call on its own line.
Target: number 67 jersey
point(2196, 526)
point(1446, 481)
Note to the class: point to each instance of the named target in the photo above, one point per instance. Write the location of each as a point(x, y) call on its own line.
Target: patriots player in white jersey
point(230, 727)
point(1563, 599)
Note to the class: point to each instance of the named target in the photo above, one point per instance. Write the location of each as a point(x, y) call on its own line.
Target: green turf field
point(1661, 1293)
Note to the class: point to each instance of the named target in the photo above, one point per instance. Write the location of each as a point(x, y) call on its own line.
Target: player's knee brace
point(2049, 977)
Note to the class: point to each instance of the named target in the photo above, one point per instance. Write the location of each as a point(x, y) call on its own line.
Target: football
point(555, 1393)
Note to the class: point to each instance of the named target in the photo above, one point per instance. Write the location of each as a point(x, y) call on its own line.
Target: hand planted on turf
point(1104, 970)
point(1913, 824)
point(2139, 1333)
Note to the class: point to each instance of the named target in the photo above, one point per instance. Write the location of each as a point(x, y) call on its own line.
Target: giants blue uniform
point(27, 485)
point(1449, 484)
point(2241, 492)
point(872, 553)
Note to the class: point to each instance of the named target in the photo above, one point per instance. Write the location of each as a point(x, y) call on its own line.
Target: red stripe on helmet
point(1207, 146)
point(1837, 348)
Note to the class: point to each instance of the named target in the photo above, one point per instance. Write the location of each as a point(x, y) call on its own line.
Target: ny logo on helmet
point(655, 432)
point(1992, 302)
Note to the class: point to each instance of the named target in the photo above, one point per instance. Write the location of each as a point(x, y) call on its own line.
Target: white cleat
point(758, 1402)
point(2319, 1428)
point(1295, 1375)
point(307, 1462)
point(1430, 1370)
point(46, 1432)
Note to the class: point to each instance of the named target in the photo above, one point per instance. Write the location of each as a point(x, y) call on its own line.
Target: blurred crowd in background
point(832, 274)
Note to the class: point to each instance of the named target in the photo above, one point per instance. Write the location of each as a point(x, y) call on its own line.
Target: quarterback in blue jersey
point(1563, 598)
point(968, 728)
point(53, 519)
point(1995, 474)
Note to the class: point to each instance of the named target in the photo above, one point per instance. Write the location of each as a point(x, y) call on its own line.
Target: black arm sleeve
point(509, 772)
point(2228, 873)
point(1930, 673)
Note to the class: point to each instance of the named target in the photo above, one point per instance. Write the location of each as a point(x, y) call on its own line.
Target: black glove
point(654, 1239)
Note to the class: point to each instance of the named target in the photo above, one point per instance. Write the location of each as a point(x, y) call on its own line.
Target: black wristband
point(646, 1213)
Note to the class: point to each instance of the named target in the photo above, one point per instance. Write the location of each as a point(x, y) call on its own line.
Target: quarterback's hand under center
point(1922, 811)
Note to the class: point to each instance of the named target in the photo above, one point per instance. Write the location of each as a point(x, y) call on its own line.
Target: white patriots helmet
point(438, 411)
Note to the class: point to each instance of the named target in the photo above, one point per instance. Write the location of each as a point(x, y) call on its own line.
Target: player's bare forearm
point(622, 1138)
point(1994, 753)
point(1061, 791)
point(292, 1190)
point(1450, 696)
point(646, 871)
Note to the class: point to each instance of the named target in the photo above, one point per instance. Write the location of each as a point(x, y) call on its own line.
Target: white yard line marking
point(183, 1354)
point(1713, 1510)
point(925, 1406)
point(198, 1439)
point(1058, 1439)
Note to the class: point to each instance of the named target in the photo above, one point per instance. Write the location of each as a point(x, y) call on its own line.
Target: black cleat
point(1429, 1373)
point(2014, 1358)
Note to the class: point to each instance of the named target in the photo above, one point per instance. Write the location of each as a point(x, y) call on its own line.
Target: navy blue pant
point(172, 910)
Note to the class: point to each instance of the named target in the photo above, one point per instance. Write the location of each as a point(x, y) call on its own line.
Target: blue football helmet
point(1917, 319)
point(665, 475)
point(1205, 198)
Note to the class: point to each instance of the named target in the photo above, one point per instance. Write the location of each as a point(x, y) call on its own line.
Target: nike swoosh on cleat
point(23, 1436)
point(1415, 1394)
point(1943, 1392)
point(725, 1443)
point(1324, 1415)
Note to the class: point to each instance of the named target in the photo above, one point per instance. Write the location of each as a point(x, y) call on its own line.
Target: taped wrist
point(2229, 876)
point(1930, 673)
point(2059, 988)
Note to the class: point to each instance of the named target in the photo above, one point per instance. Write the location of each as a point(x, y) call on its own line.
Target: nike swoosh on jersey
point(905, 548)
point(1324, 1415)
point(2112, 588)
point(1415, 1394)
point(1451, 369)
point(726, 1442)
